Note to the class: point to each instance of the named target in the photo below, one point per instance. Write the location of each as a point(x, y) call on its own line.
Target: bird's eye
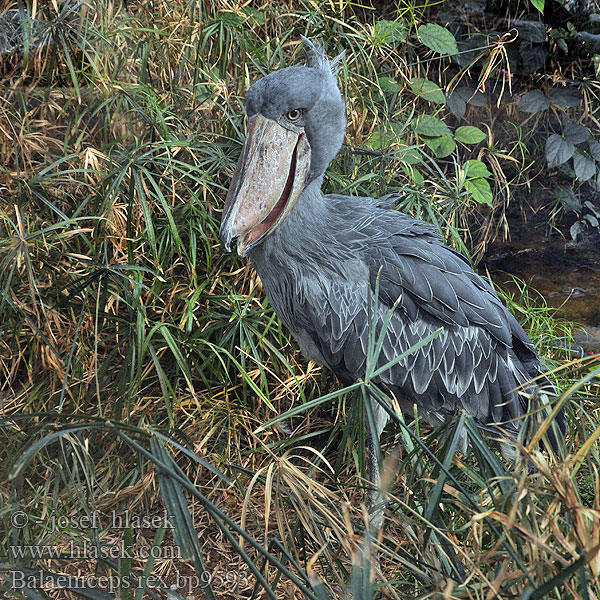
point(294, 115)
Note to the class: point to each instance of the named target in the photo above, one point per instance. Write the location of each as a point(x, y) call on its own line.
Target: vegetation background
point(139, 363)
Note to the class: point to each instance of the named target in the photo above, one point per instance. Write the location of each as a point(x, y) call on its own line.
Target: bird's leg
point(376, 502)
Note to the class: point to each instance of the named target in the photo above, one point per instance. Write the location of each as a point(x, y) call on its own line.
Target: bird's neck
point(309, 213)
point(306, 219)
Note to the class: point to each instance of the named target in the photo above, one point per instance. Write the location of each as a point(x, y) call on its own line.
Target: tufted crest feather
point(317, 57)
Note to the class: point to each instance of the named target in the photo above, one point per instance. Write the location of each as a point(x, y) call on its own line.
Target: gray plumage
point(320, 265)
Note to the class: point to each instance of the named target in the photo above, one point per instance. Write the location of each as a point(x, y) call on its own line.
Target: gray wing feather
point(466, 367)
point(481, 355)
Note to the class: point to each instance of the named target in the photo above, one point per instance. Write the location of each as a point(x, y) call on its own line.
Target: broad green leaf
point(539, 4)
point(417, 177)
point(533, 56)
point(389, 85)
point(594, 147)
point(446, 147)
point(442, 145)
point(398, 128)
point(230, 20)
point(567, 197)
point(475, 169)
point(480, 190)
point(562, 44)
point(471, 96)
point(437, 38)
point(409, 155)
point(469, 135)
point(389, 31)
point(575, 133)
point(577, 228)
point(585, 168)
point(427, 90)
point(384, 137)
point(258, 16)
point(558, 150)
point(456, 104)
point(591, 219)
point(531, 31)
point(381, 138)
point(431, 126)
point(414, 174)
point(592, 207)
point(533, 101)
point(569, 97)
point(432, 142)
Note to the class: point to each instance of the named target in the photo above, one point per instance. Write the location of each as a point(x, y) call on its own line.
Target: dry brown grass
point(119, 309)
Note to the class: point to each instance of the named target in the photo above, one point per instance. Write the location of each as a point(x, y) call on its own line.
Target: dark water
point(566, 273)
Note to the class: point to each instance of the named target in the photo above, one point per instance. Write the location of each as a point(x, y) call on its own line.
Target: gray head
point(312, 89)
point(295, 128)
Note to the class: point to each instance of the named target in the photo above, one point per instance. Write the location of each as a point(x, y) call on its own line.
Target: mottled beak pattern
point(270, 175)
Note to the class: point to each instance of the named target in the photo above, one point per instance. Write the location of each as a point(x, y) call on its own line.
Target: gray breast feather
point(464, 367)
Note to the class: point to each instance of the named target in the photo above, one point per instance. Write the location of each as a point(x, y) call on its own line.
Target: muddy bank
point(565, 272)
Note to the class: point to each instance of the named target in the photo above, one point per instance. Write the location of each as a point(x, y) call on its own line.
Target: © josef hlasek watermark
point(94, 520)
point(92, 547)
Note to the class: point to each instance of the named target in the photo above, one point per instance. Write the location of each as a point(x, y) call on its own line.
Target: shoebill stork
point(321, 257)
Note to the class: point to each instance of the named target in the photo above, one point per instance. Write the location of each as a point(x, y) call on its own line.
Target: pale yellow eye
point(294, 115)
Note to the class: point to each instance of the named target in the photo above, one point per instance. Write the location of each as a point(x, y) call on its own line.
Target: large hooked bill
point(269, 177)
